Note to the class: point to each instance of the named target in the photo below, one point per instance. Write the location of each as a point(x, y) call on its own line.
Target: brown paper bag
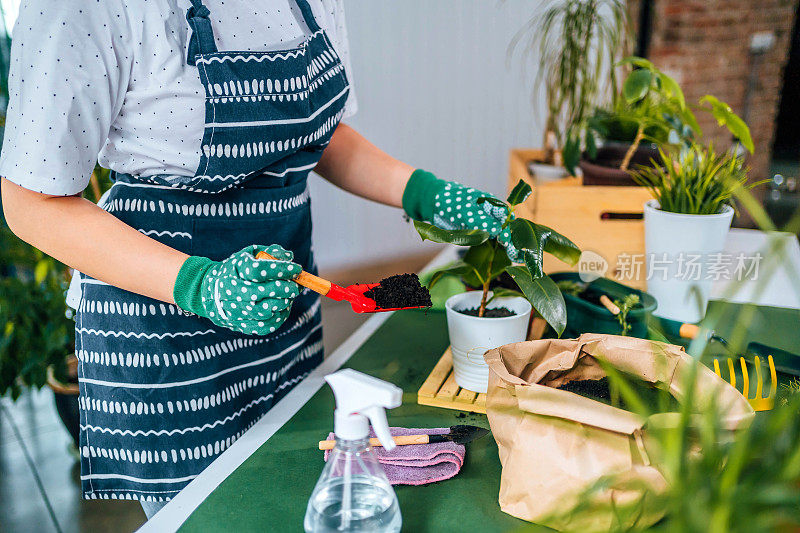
point(554, 444)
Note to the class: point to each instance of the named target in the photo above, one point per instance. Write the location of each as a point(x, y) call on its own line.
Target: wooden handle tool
point(460, 434)
point(309, 281)
point(400, 441)
point(608, 304)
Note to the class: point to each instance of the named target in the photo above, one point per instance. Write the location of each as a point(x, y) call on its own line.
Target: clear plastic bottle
point(353, 493)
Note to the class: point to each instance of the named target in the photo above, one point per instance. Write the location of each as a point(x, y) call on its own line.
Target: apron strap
point(202, 39)
point(308, 15)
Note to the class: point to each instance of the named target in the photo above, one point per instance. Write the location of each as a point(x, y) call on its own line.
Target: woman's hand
point(450, 205)
point(242, 293)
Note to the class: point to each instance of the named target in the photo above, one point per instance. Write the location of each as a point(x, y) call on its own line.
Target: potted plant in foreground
point(686, 224)
point(492, 316)
point(575, 44)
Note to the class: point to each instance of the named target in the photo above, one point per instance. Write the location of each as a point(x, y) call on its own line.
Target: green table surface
point(270, 490)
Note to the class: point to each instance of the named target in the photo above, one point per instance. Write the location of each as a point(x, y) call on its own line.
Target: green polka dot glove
point(450, 205)
point(241, 293)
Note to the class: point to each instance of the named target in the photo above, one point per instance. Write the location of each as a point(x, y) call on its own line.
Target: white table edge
point(178, 510)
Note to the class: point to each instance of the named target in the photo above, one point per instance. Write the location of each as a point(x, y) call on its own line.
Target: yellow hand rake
point(758, 402)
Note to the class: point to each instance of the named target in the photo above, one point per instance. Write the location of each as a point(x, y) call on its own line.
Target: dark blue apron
point(163, 393)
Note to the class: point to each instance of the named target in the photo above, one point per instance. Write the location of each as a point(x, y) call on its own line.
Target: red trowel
point(352, 293)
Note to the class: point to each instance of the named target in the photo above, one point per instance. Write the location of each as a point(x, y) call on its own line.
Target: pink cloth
point(418, 464)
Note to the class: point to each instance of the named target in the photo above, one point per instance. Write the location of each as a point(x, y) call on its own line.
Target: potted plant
point(686, 224)
point(576, 44)
point(483, 319)
point(37, 329)
point(649, 111)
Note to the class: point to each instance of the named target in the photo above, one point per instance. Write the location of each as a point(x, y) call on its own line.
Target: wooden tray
point(441, 390)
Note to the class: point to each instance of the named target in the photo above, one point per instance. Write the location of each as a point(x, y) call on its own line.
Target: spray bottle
point(352, 493)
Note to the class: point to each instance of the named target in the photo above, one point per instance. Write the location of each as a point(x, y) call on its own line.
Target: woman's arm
point(356, 165)
point(80, 234)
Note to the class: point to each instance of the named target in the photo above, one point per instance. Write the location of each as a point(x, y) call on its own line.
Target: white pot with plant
point(686, 224)
point(481, 320)
point(575, 45)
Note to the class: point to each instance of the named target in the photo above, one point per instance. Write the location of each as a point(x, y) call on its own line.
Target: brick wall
point(705, 44)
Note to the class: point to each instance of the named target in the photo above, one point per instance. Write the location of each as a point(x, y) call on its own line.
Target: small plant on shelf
point(651, 108)
point(574, 45)
point(486, 259)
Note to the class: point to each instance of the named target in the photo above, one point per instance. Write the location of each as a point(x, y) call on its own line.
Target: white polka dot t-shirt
point(107, 81)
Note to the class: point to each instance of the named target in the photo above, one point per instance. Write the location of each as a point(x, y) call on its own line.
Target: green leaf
point(460, 237)
point(533, 260)
point(571, 154)
point(637, 85)
point(41, 270)
point(638, 62)
point(591, 144)
point(519, 193)
point(489, 260)
point(459, 270)
point(544, 296)
point(672, 89)
point(492, 200)
point(527, 240)
point(690, 120)
point(559, 246)
point(538, 239)
point(726, 117)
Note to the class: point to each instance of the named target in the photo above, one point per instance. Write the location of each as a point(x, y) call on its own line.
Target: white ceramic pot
point(675, 243)
point(471, 337)
point(545, 173)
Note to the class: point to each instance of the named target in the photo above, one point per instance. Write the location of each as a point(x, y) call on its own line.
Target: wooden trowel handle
point(608, 304)
point(309, 281)
point(689, 331)
point(399, 440)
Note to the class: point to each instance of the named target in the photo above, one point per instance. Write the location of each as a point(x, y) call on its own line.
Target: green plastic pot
point(588, 317)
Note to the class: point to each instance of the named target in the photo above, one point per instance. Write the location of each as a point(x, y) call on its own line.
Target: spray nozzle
point(360, 401)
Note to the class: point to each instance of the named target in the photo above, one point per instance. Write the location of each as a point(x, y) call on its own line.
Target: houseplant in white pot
point(574, 44)
point(489, 317)
point(686, 224)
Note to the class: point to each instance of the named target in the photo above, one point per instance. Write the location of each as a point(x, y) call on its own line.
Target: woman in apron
point(184, 338)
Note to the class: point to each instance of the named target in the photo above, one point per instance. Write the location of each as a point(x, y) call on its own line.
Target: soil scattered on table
point(401, 290)
point(494, 312)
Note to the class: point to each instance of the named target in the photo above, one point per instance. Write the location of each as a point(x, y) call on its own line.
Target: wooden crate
point(587, 216)
point(441, 390)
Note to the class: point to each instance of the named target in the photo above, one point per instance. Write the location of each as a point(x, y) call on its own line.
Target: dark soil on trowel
point(494, 312)
point(401, 290)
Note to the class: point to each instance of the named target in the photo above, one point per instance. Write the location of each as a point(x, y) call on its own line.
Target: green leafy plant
point(576, 44)
point(625, 305)
point(36, 326)
point(486, 259)
point(695, 180)
point(36, 330)
point(718, 481)
point(651, 107)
